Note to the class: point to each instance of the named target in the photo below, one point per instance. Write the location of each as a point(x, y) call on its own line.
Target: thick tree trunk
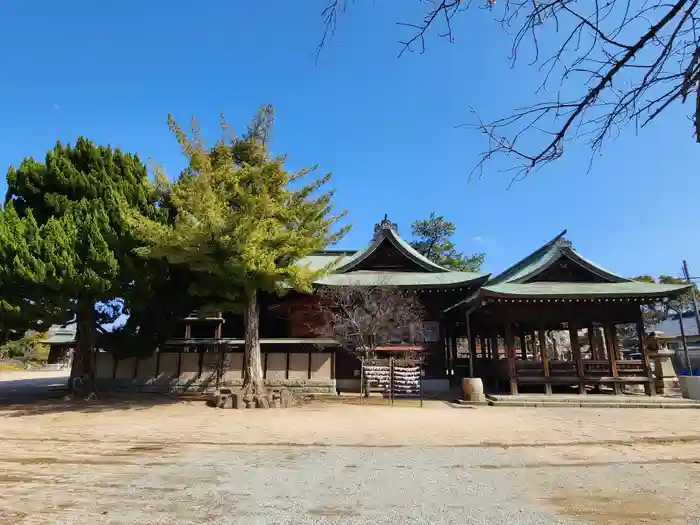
point(253, 381)
point(82, 373)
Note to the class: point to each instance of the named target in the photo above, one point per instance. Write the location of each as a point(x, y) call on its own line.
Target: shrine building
point(549, 324)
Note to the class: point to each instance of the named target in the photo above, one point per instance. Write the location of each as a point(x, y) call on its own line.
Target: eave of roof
point(448, 279)
point(554, 290)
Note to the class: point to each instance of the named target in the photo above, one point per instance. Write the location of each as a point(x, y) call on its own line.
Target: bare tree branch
point(361, 318)
point(608, 64)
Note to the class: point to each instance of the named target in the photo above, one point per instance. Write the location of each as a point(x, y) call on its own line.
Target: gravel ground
point(209, 484)
point(152, 460)
point(159, 461)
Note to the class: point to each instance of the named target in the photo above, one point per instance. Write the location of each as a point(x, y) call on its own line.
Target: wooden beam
point(510, 353)
point(576, 350)
point(650, 387)
point(611, 343)
point(545, 359)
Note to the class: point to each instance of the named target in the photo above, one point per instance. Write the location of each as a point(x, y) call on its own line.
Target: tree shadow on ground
point(58, 402)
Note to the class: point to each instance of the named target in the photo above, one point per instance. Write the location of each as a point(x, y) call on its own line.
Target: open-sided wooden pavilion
point(511, 324)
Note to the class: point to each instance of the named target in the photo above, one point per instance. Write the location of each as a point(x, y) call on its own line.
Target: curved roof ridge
point(527, 260)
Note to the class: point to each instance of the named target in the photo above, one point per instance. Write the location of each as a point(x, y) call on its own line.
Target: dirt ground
point(137, 460)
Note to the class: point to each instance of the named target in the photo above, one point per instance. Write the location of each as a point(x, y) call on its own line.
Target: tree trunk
point(253, 381)
point(82, 373)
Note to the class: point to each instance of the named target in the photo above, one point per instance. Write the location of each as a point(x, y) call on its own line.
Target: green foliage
point(241, 221)
point(27, 348)
point(654, 314)
point(65, 241)
point(433, 240)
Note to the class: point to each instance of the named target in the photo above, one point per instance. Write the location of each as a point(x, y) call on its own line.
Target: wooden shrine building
point(548, 323)
point(517, 322)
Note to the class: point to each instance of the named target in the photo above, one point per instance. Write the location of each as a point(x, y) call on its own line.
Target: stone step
point(594, 404)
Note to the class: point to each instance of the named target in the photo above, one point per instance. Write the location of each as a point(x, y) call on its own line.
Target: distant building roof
point(58, 334)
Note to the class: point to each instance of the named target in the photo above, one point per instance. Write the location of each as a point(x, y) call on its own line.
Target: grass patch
point(11, 367)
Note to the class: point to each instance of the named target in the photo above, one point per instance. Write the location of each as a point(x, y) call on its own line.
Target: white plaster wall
point(321, 365)
point(298, 366)
point(189, 367)
point(233, 366)
point(210, 361)
point(147, 368)
point(125, 368)
point(104, 365)
point(276, 366)
point(168, 367)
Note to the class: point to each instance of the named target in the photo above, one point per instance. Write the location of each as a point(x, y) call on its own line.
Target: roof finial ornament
point(563, 242)
point(385, 224)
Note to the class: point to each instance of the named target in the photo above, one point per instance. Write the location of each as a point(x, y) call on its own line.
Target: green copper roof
point(385, 232)
point(344, 266)
point(404, 279)
point(539, 260)
point(318, 261)
point(583, 290)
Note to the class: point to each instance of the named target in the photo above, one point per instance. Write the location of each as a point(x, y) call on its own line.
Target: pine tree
point(433, 239)
point(83, 258)
point(241, 223)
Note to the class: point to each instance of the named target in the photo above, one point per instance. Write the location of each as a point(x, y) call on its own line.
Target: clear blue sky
point(384, 126)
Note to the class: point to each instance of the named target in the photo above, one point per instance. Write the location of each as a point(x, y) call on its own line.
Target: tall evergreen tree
point(241, 223)
point(433, 239)
point(85, 264)
point(22, 273)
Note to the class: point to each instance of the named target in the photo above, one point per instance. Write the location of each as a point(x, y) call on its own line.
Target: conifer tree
point(241, 223)
point(433, 239)
point(82, 257)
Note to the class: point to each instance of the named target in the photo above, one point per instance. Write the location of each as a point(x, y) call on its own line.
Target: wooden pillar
point(523, 346)
point(594, 350)
point(591, 343)
point(188, 334)
point(484, 347)
point(470, 343)
point(611, 343)
point(510, 354)
point(649, 386)
point(494, 347)
point(545, 359)
point(576, 350)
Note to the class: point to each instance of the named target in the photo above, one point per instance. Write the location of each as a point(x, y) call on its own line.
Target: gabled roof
point(347, 268)
point(546, 255)
point(385, 232)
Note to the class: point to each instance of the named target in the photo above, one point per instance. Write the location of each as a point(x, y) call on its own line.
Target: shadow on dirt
point(55, 399)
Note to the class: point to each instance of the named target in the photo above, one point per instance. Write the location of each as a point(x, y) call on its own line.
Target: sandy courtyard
point(181, 462)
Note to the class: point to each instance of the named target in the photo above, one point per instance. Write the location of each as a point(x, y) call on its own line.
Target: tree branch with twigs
point(604, 66)
point(361, 318)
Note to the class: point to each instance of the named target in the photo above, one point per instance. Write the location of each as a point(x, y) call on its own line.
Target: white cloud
point(56, 107)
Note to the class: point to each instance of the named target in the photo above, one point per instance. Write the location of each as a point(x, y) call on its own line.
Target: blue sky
point(384, 126)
